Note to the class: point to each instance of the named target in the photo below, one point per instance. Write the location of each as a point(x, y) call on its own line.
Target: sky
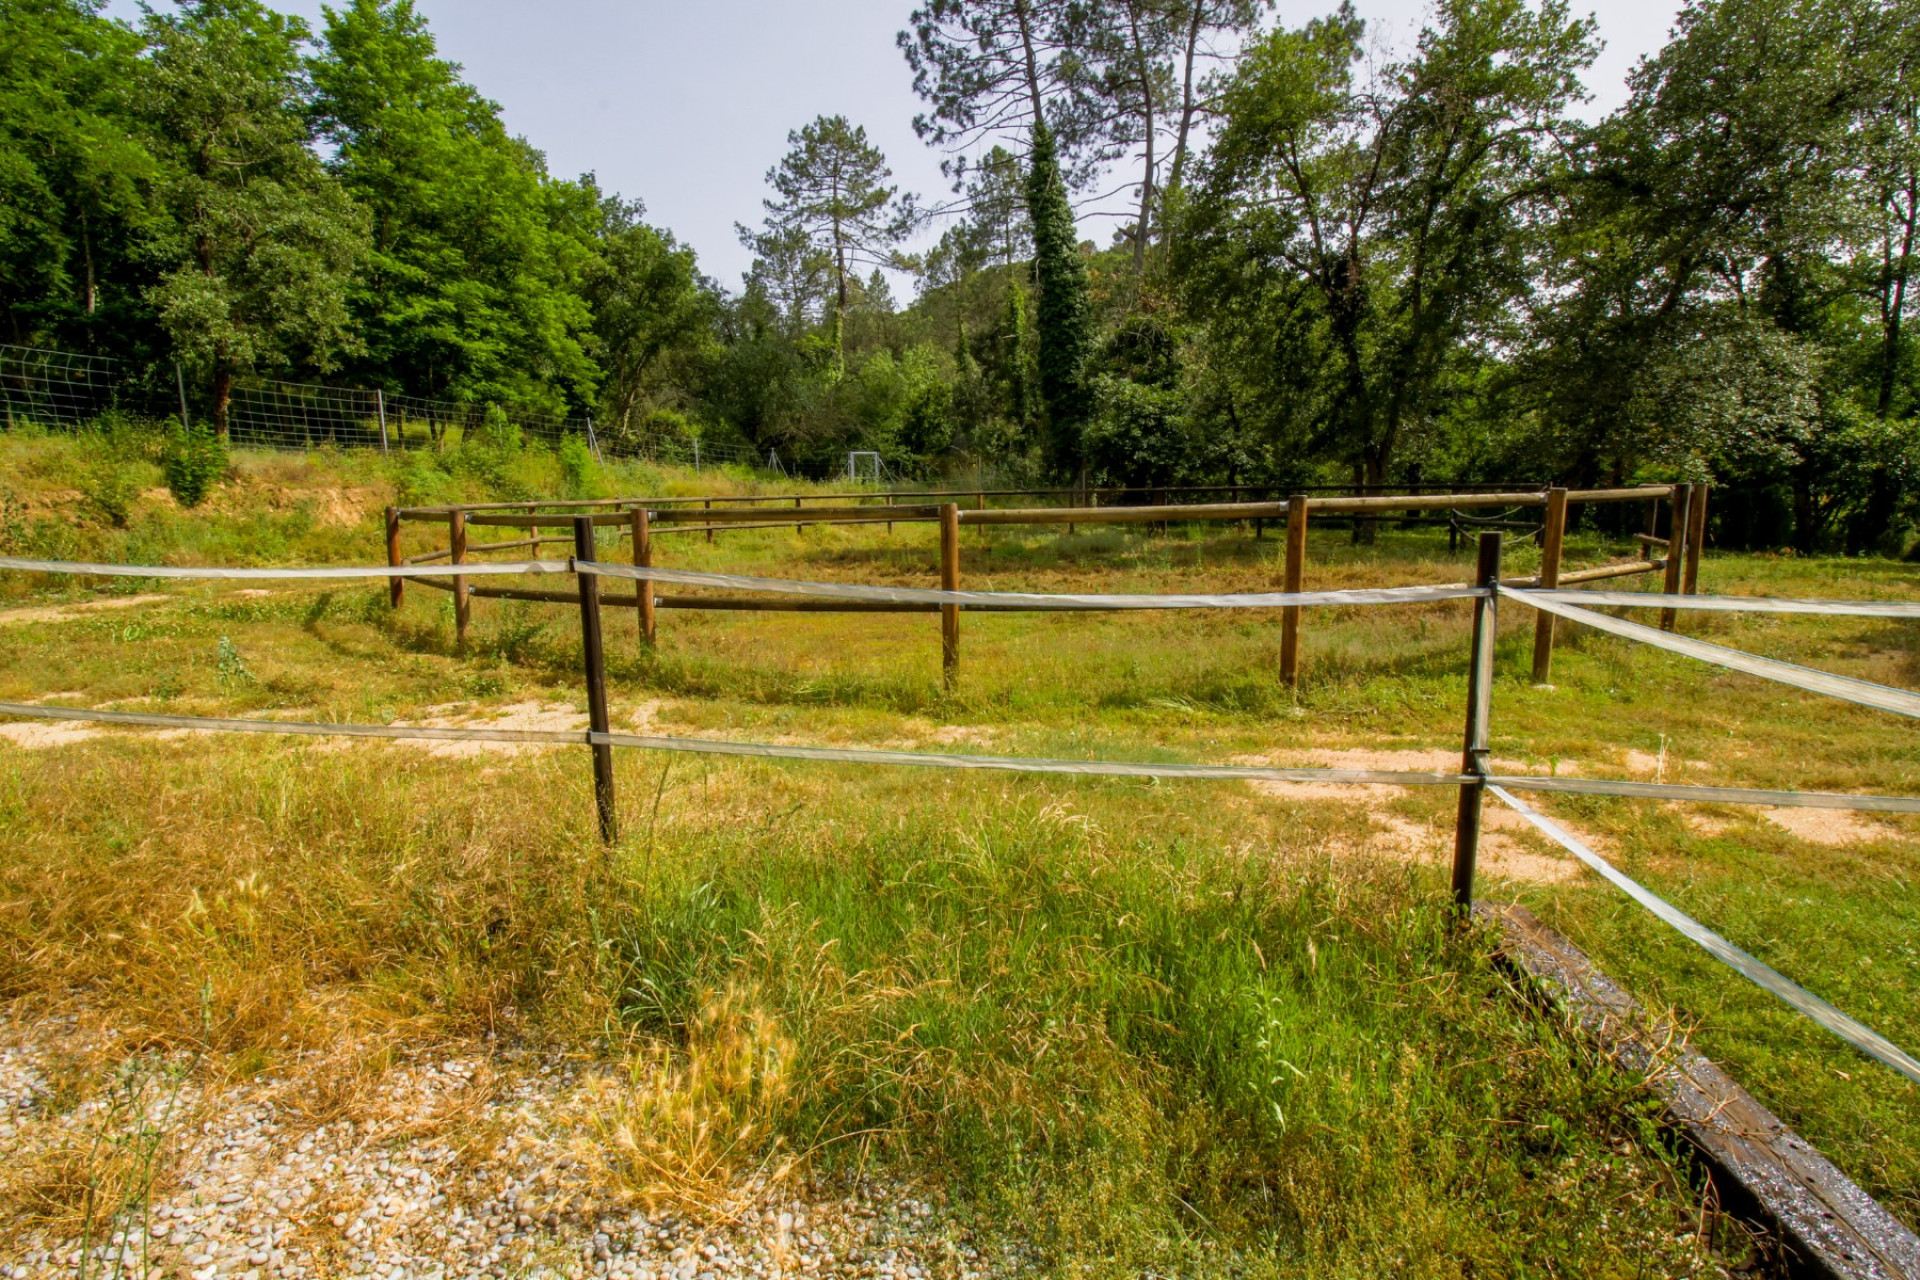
point(686, 105)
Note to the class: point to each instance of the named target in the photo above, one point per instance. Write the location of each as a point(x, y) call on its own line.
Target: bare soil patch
point(69, 612)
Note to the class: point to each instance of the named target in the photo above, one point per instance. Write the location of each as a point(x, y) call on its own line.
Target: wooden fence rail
point(642, 520)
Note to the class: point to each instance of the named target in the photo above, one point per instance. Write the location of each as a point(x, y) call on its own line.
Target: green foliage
point(497, 432)
point(580, 473)
point(474, 285)
point(229, 667)
point(835, 201)
point(111, 486)
point(262, 242)
point(1138, 436)
point(1064, 320)
point(653, 319)
point(195, 461)
point(77, 177)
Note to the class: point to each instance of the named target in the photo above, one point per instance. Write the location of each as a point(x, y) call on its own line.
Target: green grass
point(1194, 1029)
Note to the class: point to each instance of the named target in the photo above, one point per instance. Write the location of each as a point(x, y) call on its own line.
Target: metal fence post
point(594, 658)
point(380, 407)
point(1473, 756)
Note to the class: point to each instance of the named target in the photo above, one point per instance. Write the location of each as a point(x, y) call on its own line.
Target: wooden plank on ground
point(1832, 1227)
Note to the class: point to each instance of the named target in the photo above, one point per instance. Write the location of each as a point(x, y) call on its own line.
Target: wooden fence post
point(1696, 539)
point(1473, 755)
point(1553, 535)
point(643, 559)
point(462, 602)
point(394, 585)
point(1676, 548)
point(949, 581)
point(796, 507)
point(1293, 575)
point(594, 658)
point(707, 505)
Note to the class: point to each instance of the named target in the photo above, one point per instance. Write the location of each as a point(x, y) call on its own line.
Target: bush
point(196, 460)
point(580, 471)
point(111, 486)
point(1138, 436)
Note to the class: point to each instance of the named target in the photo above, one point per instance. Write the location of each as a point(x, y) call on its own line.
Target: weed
point(230, 668)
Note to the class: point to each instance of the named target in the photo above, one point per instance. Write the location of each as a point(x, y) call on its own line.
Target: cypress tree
point(1064, 319)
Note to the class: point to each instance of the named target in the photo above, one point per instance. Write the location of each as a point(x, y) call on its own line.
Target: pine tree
point(1065, 313)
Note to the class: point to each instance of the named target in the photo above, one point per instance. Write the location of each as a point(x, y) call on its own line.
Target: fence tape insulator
point(1864, 692)
point(329, 571)
point(917, 595)
point(1860, 1036)
point(1709, 795)
point(1726, 604)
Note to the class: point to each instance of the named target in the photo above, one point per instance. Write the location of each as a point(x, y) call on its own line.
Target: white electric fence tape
point(1724, 604)
point(917, 595)
point(331, 571)
point(1709, 795)
point(1866, 693)
point(1860, 1036)
point(722, 747)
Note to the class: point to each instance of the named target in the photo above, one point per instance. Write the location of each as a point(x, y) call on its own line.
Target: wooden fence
point(639, 522)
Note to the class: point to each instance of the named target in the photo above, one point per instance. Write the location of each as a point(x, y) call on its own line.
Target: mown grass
point(1191, 1029)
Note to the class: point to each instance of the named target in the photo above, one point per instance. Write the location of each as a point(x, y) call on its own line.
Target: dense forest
point(1339, 266)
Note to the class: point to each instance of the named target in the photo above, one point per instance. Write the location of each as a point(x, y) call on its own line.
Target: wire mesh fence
point(54, 388)
point(62, 390)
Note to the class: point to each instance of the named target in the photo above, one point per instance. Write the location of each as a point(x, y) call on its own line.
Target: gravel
point(465, 1164)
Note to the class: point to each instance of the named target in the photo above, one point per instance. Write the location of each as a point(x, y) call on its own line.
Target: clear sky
point(687, 103)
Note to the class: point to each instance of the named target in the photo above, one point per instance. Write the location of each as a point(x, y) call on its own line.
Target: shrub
point(497, 431)
point(111, 486)
point(580, 471)
point(1138, 435)
point(196, 460)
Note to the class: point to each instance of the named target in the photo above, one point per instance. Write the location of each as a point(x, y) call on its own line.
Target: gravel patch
point(471, 1163)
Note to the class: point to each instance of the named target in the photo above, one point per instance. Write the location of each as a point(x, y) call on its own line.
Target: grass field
point(1187, 1029)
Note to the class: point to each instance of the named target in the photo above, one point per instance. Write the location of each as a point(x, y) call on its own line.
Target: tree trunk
point(1187, 104)
point(222, 396)
point(1142, 231)
point(1033, 64)
point(1894, 299)
point(1804, 530)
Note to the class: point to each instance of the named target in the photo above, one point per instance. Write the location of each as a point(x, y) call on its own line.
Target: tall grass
point(1138, 1047)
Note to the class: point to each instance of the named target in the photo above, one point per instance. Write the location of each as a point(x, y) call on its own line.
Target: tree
point(1711, 203)
point(1384, 227)
point(1065, 314)
point(473, 288)
point(834, 198)
point(790, 275)
point(1129, 64)
point(264, 243)
point(995, 68)
point(649, 301)
point(76, 175)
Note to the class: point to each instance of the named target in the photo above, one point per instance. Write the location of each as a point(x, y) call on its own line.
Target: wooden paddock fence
point(1680, 510)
